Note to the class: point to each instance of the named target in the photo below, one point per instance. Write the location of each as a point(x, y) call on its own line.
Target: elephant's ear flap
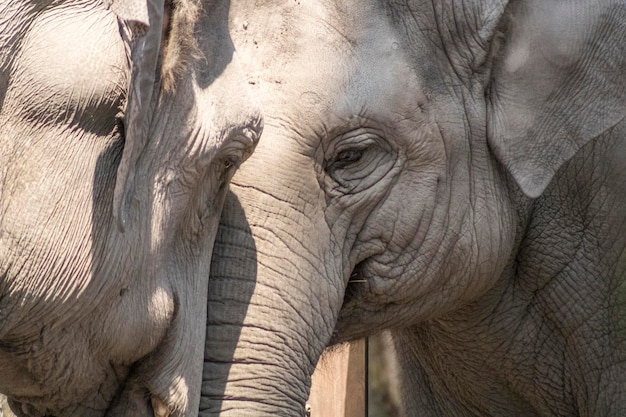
point(558, 81)
point(141, 23)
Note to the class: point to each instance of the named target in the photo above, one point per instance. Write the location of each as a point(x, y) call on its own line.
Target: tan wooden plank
point(339, 382)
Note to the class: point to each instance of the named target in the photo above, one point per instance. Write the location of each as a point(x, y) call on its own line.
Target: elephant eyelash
point(347, 157)
point(232, 162)
point(350, 154)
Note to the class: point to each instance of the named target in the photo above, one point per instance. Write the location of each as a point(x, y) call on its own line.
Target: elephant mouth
point(356, 306)
point(356, 285)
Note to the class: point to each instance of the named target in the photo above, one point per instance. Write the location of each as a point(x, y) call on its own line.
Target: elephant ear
point(141, 22)
point(558, 81)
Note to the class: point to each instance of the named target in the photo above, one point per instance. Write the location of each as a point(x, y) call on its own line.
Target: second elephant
point(118, 136)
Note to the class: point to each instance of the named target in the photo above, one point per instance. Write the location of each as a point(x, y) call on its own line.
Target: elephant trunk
point(261, 346)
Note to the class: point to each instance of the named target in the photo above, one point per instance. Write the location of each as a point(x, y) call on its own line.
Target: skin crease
point(96, 321)
point(426, 169)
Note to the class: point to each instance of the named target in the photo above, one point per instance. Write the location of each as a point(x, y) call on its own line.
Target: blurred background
point(383, 394)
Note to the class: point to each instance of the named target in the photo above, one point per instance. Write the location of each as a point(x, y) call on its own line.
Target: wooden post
point(340, 382)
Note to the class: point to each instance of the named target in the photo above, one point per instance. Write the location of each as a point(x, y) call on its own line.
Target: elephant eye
point(359, 158)
point(347, 157)
point(230, 162)
point(224, 168)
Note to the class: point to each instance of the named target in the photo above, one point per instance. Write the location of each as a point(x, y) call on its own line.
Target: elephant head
point(121, 123)
point(442, 170)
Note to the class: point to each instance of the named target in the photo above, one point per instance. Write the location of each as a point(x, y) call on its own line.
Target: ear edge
point(539, 115)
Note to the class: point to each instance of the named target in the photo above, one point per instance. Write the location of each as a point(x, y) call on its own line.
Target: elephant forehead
point(338, 63)
point(72, 58)
point(382, 81)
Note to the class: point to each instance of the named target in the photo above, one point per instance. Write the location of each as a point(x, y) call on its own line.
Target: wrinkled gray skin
point(116, 148)
point(452, 171)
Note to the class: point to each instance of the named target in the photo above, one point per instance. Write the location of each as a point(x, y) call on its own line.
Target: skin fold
point(450, 172)
point(121, 123)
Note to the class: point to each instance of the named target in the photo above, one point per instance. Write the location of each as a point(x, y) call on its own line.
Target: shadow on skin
point(223, 50)
point(223, 323)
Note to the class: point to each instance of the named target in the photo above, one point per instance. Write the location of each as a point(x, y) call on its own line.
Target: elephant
point(452, 173)
point(121, 124)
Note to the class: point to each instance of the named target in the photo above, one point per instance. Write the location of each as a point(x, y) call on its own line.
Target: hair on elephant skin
point(121, 124)
point(453, 172)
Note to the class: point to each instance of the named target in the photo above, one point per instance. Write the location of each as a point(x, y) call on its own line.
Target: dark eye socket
point(347, 157)
point(230, 162)
point(120, 129)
